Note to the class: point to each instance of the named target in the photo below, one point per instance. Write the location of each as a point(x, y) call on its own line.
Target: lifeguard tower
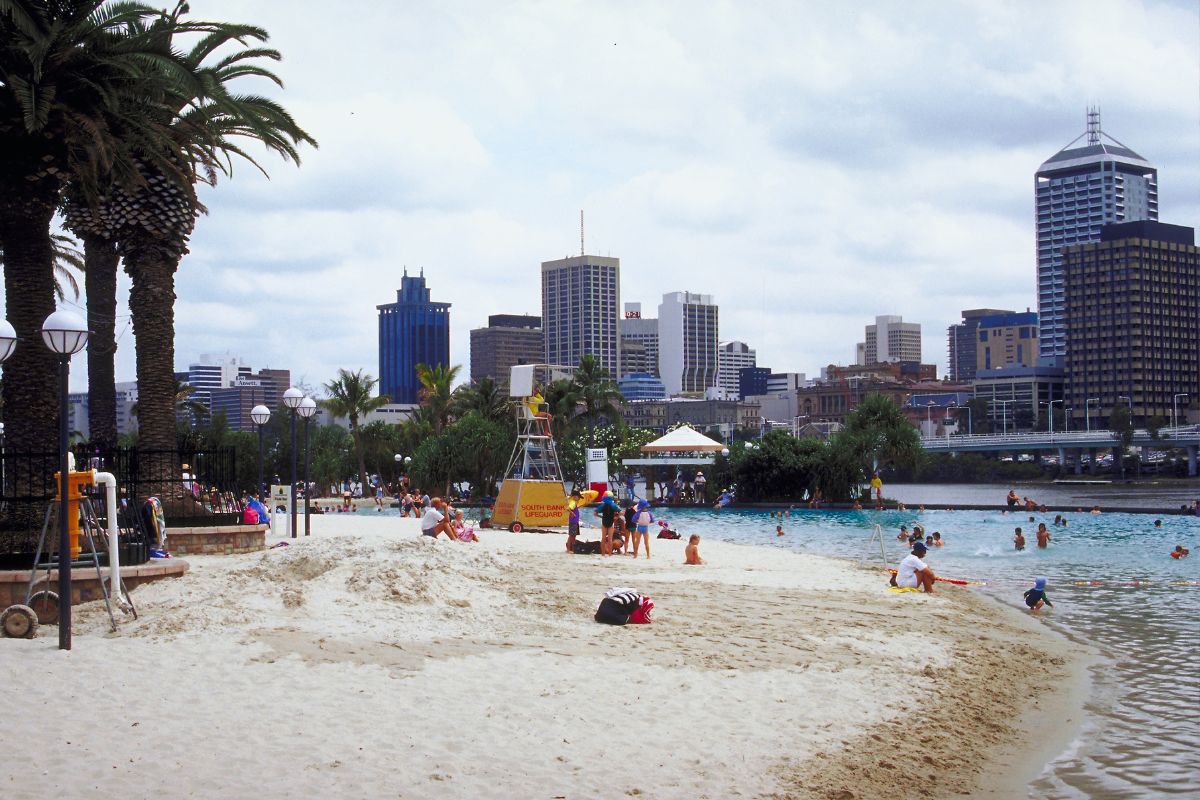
point(533, 493)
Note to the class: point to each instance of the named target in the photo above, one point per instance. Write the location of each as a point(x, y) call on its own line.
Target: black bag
point(612, 612)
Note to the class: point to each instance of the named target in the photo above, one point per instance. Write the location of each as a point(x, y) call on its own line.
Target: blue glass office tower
point(412, 331)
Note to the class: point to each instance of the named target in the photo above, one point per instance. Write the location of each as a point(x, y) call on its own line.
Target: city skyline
point(772, 148)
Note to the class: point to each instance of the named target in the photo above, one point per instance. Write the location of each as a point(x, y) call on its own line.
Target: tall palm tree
point(883, 434)
point(153, 221)
point(64, 69)
point(598, 394)
point(562, 398)
point(483, 397)
point(66, 258)
point(350, 396)
point(436, 388)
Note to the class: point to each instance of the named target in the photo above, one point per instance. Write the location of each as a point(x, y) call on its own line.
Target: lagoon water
point(1139, 608)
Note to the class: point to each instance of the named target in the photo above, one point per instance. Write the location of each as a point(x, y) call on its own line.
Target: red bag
point(641, 614)
point(249, 516)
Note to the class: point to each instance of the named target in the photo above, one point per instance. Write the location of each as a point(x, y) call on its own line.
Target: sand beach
point(368, 661)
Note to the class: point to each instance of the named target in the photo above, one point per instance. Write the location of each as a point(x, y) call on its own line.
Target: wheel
point(19, 622)
point(516, 527)
point(45, 605)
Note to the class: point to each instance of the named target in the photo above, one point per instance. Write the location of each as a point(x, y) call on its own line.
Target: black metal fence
point(195, 487)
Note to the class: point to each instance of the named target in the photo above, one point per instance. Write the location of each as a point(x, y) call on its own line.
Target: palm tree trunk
point(100, 285)
point(358, 453)
point(152, 306)
point(30, 373)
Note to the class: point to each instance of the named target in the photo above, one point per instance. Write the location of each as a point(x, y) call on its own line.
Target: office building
point(236, 400)
point(79, 424)
point(508, 341)
point(581, 301)
point(732, 358)
point(641, 386)
point(687, 342)
point(961, 340)
point(413, 330)
point(214, 372)
point(752, 381)
point(1083, 187)
point(890, 339)
point(639, 341)
point(1132, 308)
point(1016, 395)
point(1007, 340)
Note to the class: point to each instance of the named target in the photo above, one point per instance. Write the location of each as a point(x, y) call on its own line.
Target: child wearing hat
point(642, 531)
point(1035, 598)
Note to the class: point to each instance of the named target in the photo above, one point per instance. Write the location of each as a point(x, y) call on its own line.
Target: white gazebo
point(684, 445)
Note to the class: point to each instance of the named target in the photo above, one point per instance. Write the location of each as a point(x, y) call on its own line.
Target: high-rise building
point(1133, 325)
point(413, 330)
point(1078, 190)
point(1007, 340)
point(961, 340)
point(508, 341)
point(214, 372)
point(641, 386)
point(581, 300)
point(890, 339)
point(237, 399)
point(752, 381)
point(732, 358)
point(639, 341)
point(79, 423)
point(687, 342)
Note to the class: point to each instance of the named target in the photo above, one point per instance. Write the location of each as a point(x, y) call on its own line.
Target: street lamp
point(1050, 414)
point(66, 333)
point(1004, 404)
point(1087, 414)
point(928, 421)
point(260, 415)
point(1067, 419)
point(306, 409)
point(1129, 402)
point(292, 399)
point(1175, 408)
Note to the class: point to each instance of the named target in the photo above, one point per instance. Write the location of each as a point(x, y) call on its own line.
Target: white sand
point(370, 661)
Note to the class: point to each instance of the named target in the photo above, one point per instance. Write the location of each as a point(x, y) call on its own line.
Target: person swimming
point(1179, 552)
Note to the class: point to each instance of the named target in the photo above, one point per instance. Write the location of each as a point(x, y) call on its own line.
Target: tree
point(562, 398)
point(1120, 422)
point(597, 392)
point(484, 398)
point(437, 384)
point(350, 396)
point(882, 432)
point(65, 68)
point(153, 220)
point(979, 421)
point(781, 467)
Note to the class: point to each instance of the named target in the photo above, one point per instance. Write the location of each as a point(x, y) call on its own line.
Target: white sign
point(597, 465)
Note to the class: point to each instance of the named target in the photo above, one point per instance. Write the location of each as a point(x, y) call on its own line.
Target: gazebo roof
point(683, 439)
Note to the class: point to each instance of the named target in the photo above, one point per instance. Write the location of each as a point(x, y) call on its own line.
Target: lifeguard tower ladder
point(533, 492)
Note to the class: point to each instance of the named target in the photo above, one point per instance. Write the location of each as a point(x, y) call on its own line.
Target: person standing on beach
point(1043, 536)
point(608, 516)
point(701, 484)
point(642, 530)
point(573, 518)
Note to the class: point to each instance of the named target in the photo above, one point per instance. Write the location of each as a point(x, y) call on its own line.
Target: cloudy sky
point(809, 164)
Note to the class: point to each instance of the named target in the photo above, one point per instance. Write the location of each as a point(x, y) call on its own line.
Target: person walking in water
point(1043, 536)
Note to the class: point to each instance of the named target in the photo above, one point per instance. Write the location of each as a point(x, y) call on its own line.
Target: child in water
point(1179, 552)
point(1018, 540)
point(1035, 598)
point(691, 553)
point(779, 530)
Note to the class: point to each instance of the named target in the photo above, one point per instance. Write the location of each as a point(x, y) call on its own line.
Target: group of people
point(440, 517)
point(623, 531)
point(1043, 537)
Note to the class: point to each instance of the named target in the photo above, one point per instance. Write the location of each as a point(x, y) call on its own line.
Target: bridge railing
point(1182, 434)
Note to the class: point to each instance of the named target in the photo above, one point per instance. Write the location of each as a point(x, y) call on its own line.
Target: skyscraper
point(508, 340)
point(961, 340)
point(639, 339)
point(1007, 340)
point(581, 301)
point(413, 330)
point(732, 358)
point(1133, 330)
point(687, 342)
point(1080, 189)
point(890, 339)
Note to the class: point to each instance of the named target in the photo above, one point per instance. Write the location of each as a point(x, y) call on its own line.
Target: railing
point(1188, 435)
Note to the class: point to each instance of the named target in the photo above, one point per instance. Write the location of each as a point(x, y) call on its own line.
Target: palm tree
point(153, 221)
point(64, 69)
point(883, 434)
point(484, 397)
point(562, 398)
point(436, 389)
point(350, 397)
point(66, 258)
point(598, 394)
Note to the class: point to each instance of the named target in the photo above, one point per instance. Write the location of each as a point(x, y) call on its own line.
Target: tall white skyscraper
point(731, 358)
point(581, 301)
point(890, 339)
point(1079, 189)
point(687, 342)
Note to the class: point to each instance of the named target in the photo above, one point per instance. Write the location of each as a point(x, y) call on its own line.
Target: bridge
point(1186, 438)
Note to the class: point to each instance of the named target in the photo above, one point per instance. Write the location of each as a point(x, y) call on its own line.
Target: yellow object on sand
point(899, 589)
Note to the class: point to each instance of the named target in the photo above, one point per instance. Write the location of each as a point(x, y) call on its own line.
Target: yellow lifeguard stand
point(533, 493)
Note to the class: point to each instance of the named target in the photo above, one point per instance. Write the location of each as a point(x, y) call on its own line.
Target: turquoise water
point(1143, 722)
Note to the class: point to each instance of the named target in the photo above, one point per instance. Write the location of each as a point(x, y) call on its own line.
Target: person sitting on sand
point(1018, 540)
point(935, 540)
point(1035, 598)
point(913, 572)
point(1179, 552)
point(691, 553)
point(462, 531)
point(1043, 536)
point(434, 521)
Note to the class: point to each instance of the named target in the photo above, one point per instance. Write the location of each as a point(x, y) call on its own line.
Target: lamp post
point(1067, 419)
point(66, 333)
point(1004, 404)
point(1128, 402)
point(1050, 414)
point(260, 415)
point(1175, 408)
point(292, 399)
point(1087, 413)
point(306, 409)
point(928, 420)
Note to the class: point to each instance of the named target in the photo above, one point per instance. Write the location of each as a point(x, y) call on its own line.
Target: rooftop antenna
point(581, 232)
point(1093, 125)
